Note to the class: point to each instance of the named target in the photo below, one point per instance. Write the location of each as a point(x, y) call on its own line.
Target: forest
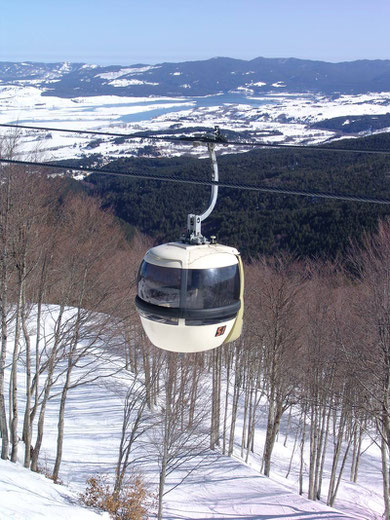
point(258, 223)
point(355, 124)
point(315, 351)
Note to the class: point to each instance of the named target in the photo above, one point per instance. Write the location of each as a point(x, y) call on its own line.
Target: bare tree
point(177, 439)
point(278, 288)
point(216, 357)
point(321, 367)
point(7, 149)
point(136, 422)
point(367, 347)
point(24, 207)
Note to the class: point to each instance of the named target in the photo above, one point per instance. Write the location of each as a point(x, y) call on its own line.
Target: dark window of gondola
point(159, 285)
point(211, 288)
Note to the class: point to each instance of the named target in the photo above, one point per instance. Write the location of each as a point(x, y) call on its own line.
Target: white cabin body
point(190, 297)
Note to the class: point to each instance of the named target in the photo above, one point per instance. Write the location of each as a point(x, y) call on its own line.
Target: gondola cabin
point(190, 297)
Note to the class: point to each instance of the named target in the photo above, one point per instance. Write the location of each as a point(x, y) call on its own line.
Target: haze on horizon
point(124, 32)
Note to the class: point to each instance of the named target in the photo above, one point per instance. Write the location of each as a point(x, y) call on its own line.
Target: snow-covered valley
point(275, 118)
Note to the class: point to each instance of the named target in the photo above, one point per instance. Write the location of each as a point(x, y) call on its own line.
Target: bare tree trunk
point(251, 415)
point(161, 485)
point(3, 413)
point(194, 390)
point(27, 431)
point(354, 452)
point(336, 456)
point(333, 498)
point(323, 453)
point(274, 416)
point(129, 364)
point(41, 421)
point(225, 415)
point(170, 382)
point(252, 426)
point(155, 371)
point(131, 430)
point(215, 399)
point(35, 383)
point(302, 451)
point(236, 394)
point(294, 447)
point(61, 418)
point(385, 478)
point(72, 349)
point(313, 447)
point(247, 400)
point(287, 427)
point(318, 437)
point(38, 325)
point(148, 385)
point(14, 372)
point(354, 475)
point(47, 390)
point(4, 309)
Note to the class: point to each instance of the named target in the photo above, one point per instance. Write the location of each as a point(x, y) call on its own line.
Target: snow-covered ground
point(219, 488)
point(26, 495)
point(287, 115)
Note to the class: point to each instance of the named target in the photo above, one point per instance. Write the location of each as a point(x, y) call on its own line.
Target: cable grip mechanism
point(194, 222)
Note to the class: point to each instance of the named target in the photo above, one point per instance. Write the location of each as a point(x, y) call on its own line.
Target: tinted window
point(159, 285)
point(210, 288)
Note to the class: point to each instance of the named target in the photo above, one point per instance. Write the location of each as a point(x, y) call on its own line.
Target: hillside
point(217, 486)
point(259, 223)
point(38, 497)
point(81, 380)
point(355, 124)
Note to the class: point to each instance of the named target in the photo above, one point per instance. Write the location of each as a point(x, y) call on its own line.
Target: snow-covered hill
point(218, 487)
point(221, 488)
point(26, 495)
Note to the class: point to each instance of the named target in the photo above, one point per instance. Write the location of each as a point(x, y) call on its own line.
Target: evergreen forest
point(254, 222)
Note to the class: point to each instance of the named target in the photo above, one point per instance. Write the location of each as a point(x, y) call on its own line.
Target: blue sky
point(153, 31)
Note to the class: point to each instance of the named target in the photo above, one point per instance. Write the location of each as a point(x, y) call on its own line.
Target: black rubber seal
point(226, 312)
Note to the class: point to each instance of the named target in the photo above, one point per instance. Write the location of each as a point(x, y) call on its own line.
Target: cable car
point(190, 294)
point(190, 297)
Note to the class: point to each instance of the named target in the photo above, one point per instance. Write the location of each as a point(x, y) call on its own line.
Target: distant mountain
point(200, 78)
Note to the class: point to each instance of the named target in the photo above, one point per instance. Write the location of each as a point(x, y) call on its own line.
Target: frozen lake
point(196, 102)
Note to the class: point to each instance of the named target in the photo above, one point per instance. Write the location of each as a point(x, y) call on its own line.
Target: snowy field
point(219, 487)
point(289, 116)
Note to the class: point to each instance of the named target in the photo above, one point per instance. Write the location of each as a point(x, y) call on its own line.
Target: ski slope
point(219, 488)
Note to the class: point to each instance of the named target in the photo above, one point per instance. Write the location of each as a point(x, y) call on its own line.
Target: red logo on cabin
point(220, 331)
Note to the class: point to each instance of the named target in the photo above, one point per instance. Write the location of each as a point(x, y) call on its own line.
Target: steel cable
point(200, 182)
point(190, 139)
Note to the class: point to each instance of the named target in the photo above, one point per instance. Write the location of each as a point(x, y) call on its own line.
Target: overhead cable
point(200, 182)
point(189, 139)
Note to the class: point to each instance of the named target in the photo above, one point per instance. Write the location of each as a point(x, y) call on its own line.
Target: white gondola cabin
point(190, 297)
